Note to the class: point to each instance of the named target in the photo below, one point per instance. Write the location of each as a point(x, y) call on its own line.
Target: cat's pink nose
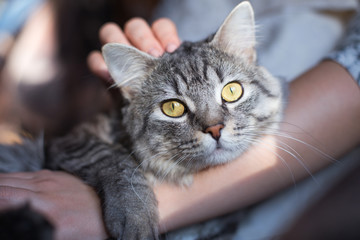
point(215, 131)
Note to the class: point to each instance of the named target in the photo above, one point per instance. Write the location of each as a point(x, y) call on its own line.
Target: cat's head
point(200, 106)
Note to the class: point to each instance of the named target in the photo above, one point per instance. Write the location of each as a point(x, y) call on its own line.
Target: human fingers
point(22, 175)
point(111, 32)
point(41, 174)
point(97, 65)
point(25, 180)
point(141, 36)
point(165, 31)
point(21, 187)
point(6, 204)
point(22, 183)
point(72, 206)
point(15, 195)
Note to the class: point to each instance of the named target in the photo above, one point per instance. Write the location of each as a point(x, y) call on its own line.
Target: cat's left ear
point(127, 66)
point(236, 35)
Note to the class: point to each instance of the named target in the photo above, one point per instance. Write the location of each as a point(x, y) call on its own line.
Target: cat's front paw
point(132, 223)
point(129, 203)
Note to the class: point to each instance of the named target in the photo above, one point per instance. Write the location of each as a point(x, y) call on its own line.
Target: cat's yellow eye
point(173, 108)
point(232, 92)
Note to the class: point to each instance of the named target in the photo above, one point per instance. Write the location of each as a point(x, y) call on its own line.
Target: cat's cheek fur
point(270, 111)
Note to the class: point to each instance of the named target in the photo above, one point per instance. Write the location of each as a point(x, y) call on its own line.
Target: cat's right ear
point(236, 35)
point(127, 66)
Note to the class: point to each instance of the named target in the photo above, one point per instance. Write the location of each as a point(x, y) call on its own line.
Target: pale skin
point(323, 110)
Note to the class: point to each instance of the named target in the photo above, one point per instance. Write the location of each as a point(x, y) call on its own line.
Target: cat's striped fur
point(118, 152)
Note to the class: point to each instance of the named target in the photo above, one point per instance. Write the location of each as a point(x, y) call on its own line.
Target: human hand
point(72, 206)
point(156, 39)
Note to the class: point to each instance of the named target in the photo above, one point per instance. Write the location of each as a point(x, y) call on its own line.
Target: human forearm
point(323, 111)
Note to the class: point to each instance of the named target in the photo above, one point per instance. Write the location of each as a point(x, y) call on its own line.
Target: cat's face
point(198, 107)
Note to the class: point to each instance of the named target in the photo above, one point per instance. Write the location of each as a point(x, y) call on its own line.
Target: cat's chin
point(220, 155)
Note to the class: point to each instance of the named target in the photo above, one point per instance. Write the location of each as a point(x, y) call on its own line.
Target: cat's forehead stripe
point(176, 87)
point(211, 72)
point(220, 74)
point(205, 68)
point(263, 88)
point(182, 77)
point(215, 75)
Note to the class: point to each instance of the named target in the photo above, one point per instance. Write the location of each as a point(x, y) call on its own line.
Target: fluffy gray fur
point(118, 153)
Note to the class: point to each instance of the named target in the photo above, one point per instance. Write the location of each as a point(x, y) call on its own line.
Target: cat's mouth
point(219, 154)
point(217, 151)
point(219, 148)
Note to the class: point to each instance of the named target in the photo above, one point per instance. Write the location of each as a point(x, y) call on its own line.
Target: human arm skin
point(69, 204)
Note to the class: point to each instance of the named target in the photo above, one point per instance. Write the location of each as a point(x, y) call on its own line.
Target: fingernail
point(154, 52)
point(171, 47)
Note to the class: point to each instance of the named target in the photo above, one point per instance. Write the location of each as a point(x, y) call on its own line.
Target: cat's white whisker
point(168, 171)
point(283, 161)
point(170, 160)
point(276, 132)
point(313, 148)
point(134, 171)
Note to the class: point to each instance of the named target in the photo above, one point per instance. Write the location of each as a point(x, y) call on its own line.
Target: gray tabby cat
point(195, 108)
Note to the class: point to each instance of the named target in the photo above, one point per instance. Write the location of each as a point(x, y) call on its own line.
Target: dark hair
point(78, 21)
point(75, 94)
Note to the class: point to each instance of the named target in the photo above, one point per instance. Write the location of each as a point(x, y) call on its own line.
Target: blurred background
point(45, 81)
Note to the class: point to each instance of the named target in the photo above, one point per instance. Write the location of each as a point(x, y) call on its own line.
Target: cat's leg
point(130, 207)
point(128, 202)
